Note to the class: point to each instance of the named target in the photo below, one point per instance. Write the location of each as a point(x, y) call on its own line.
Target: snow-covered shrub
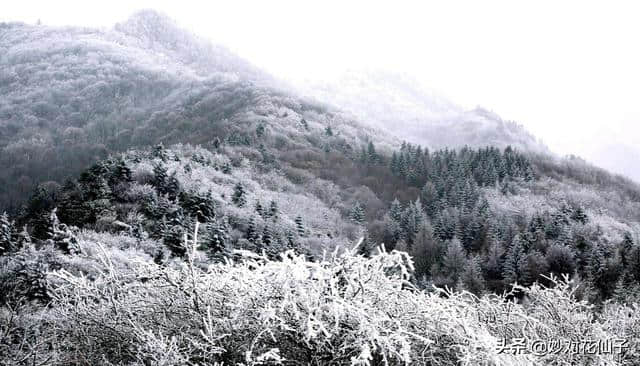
point(343, 309)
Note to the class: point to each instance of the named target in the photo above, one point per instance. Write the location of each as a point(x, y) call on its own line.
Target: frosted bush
point(343, 309)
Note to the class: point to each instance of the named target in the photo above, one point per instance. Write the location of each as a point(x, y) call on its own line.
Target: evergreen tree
point(392, 233)
point(218, 238)
point(395, 211)
point(216, 143)
point(412, 218)
point(625, 248)
point(260, 130)
point(239, 197)
point(372, 155)
point(560, 259)
point(366, 245)
point(328, 131)
point(159, 152)
point(160, 178)
point(259, 209)
point(304, 124)
point(514, 262)
point(226, 168)
point(394, 163)
point(493, 266)
point(291, 242)
point(172, 188)
point(299, 226)
point(267, 238)
point(471, 278)
point(252, 233)
point(61, 236)
point(454, 261)
point(121, 173)
point(200, 206)
point(535, 265)
point(24, 239)
point(363, 158)
point(7, 235)
point(633, 263)
point(426, 250)
point(429, 197)
point(273, 210)
point(357, 214)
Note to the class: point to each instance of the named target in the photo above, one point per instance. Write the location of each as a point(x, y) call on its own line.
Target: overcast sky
point(567, 70)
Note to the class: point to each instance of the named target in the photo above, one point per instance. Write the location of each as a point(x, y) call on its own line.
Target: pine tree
point(158, 151)
point(395, 211)
point(160, 177)
point(239, 197)
point(121, 172)
point(218, 237)
point(7, 235)
point(290, 239)
point(216, 143)
point(372, 155)
point(493, 266)
point(356, 214)
point(273, 210)
point(226, 168)
point(429, 197)
point(260, 130)
point(425, 250)
point(471, 278)
point(561, 260)
point(454, 261)
point(198, 205)
point(24, 239)
point(299, 226)
point(514, 262)
point(535, 265)
point(267, 238)
point(172, 188)
point(625, 248)
point(394, 164)
point(328, 131)
point(392, 233)
point(61, 236)
point(366, 245)
point(252, 233)
point(259, 209)
point(304, 124)
point(363, 158)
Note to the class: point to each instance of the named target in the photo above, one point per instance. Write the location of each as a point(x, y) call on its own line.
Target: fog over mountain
point(164, 201)
point(401, 106)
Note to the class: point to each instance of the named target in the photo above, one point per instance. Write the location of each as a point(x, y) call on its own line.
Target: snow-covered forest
point(164, 202)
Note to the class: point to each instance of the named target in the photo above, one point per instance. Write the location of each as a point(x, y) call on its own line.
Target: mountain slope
point(71, 96)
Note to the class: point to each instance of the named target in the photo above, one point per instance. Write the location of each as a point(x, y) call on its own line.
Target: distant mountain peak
point(152, 26)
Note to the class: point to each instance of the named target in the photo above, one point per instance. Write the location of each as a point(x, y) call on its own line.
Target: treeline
point(458, 241)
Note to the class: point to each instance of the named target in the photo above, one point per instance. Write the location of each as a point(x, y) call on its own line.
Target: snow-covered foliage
point(344, 309)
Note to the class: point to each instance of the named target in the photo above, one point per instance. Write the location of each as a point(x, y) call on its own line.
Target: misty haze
point(319, 184)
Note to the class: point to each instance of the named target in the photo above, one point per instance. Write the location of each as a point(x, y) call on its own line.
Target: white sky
point(567, 70)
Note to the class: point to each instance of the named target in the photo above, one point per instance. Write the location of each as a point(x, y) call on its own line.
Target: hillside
point(72, 96)
point(169, 203)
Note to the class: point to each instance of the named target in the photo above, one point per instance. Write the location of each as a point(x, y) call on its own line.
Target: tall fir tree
point(356, 215)
point(472, 279)
point(300, 226)
point(7, 235)
point(239, 196)
point(514, 262)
